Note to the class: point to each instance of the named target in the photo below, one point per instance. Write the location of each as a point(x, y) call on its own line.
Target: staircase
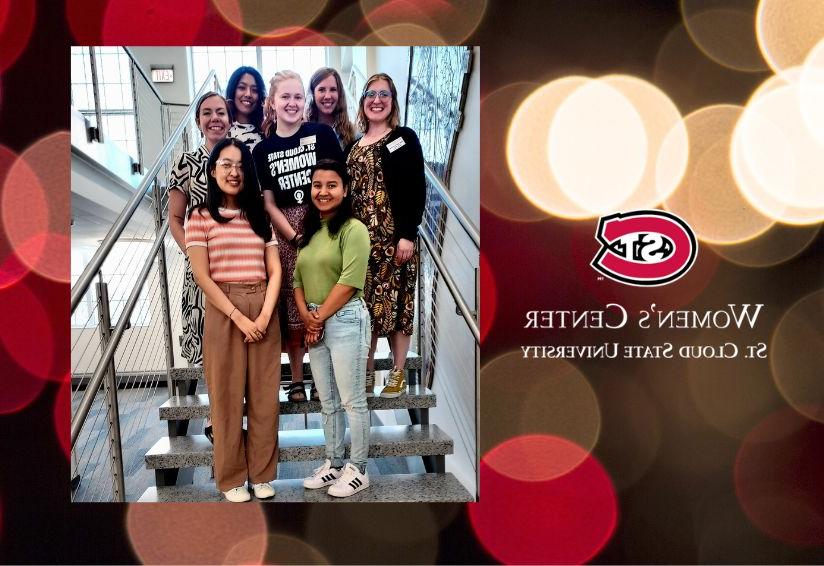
point(174, 457)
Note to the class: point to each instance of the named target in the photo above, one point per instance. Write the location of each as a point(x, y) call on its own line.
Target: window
point(268, 60)
point(114, 92)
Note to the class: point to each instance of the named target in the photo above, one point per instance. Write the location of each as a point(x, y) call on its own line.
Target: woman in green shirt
point(329, 277)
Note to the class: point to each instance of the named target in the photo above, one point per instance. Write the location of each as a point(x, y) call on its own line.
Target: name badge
point(308, 139)
point(392, 146)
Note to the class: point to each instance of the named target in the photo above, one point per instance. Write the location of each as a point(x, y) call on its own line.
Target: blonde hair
point(269, 117)
point(394, 116)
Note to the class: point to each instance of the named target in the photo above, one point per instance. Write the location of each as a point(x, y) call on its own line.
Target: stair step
point(197, 406)
point(413, 361)
point(303, 445)
point(382, 488)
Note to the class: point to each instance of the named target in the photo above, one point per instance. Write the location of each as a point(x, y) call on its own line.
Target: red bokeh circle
point(489, 297)
point(85, 19)
point(36, 204)
point(152, 22)
point(215, 30)
point(11, 268)
point(16, 24)
point(27, 332)
point(778, 478)
point(566, 520)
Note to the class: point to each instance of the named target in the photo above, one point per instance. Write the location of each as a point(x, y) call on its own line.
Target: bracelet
point(231, 313)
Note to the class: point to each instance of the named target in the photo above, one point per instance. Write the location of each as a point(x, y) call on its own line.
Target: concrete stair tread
point(303, 445)
point(413, 361)
point(382, 488)
point(197, 406)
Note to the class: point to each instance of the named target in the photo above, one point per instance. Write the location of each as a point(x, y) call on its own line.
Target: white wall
point(180, 91)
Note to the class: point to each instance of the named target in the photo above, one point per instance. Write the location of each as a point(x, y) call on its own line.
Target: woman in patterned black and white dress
point(187, 189)
point(245, 93)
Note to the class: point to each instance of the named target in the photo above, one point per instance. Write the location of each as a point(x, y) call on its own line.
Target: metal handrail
point(460, 215)
point(90, 272)
point(79, 417)
point(143, 73)
point(466, 313)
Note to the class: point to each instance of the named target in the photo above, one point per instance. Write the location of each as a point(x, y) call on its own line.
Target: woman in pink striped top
point(235, 262)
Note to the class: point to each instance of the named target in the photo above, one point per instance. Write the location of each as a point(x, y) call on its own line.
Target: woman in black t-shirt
point(284, 160)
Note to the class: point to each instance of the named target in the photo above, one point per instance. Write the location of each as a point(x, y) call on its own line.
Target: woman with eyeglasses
point(327, 104)
point(388, 195)
point(245, 93)
point(284, 160)
point(187, 190)
point(232, 249)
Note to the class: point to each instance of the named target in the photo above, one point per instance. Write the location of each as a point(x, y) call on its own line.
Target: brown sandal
point(297, 392)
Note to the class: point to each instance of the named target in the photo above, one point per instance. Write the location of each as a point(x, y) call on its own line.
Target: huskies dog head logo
point(644, 247)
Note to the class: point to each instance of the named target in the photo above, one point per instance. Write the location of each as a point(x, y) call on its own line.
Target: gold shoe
point(395, 384)
point(370, 383)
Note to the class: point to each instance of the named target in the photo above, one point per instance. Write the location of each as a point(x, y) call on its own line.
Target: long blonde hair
point(269, 117)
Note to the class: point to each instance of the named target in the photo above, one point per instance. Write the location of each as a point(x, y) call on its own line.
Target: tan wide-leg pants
point(235, 370)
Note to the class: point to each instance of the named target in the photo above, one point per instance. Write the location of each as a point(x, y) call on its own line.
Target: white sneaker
point(237, 494)
point(263, 490)
point(351, 482)
point(323, 476)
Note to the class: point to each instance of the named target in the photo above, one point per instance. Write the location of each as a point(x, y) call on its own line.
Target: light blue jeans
point(339, 369)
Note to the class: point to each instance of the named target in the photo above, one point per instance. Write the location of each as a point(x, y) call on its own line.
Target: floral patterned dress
point(390, 289)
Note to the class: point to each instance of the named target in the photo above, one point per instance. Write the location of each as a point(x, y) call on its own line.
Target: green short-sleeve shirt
point(329, 260)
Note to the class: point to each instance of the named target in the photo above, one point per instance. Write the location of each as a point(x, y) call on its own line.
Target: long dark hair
point(344, 212)
point(342, 125)
point(249, 199)
point(256, 117)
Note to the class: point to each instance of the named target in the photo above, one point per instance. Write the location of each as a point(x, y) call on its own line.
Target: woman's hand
point(403, 251)
point(262, 322)
point(312, 337)
point(249, 329)
point(311, 320)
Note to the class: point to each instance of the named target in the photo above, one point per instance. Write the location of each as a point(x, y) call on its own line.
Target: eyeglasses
point(227, 165)
point(379, 93)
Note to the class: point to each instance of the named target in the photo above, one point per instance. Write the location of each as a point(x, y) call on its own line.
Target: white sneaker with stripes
point(323, 476)
point(351, 482)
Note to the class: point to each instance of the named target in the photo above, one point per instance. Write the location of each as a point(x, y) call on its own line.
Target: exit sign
point(163, 75)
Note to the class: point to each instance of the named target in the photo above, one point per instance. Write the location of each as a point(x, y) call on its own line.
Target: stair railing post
point(477, 382)
point(110, 385)
point(164, 289)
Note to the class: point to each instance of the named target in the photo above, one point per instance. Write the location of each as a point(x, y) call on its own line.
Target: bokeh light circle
point(374, 526)
point(16, 25)
point(667, 141)
point(787, 30)
point(293, 36)
point(35, 207)
point(777, 475)
point(725, 32)
point(554, 398)
point(154, 531)
point(403, 34)
point(811, 92)
point(19, 390)
point(777, 245)
point(260, 18)
point(776, 162)
point(526, 147)
point(11, 268)
point(274, 549)
point(27, 333)
point(499, 194)
point(597, 147)
point(797, 356)
point(716, 385)
point(452, 20)
point(152, 22)
point(567, 520)
point(708, 198)
point(63, 414)
point(489, 297)
point(85, 18)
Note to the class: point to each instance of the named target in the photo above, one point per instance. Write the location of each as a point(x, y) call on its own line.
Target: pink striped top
point(235, 251)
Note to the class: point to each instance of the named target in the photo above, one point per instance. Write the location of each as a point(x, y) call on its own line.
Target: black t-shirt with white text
point(284, 164)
